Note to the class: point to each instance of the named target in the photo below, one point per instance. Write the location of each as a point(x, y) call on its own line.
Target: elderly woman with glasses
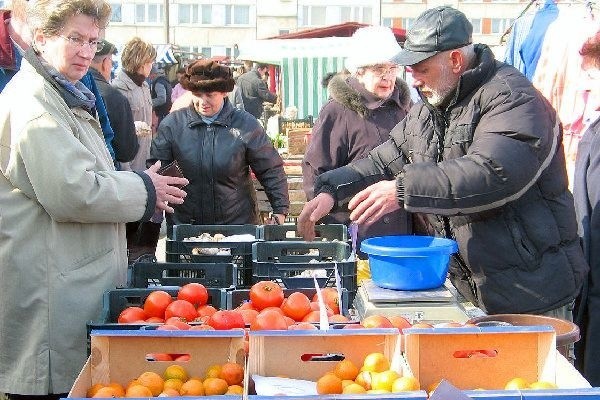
point(62, 233)
point(363, 108)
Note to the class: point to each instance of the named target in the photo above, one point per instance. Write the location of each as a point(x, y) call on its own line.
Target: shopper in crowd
point(218, 147)
point(137, 59)
point(125, 142)
point(362, 110)
point(254, 90)
point(161, 90)
point(178, 90)
point(481, 160)
point(586, 190)
point(63, 204)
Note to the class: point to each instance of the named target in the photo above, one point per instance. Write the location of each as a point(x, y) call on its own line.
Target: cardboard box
point(487, 358)
point(303, 354)
point(120, 356)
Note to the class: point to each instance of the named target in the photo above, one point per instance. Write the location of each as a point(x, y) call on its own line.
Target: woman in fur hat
point(218, 147)
point(363, 108)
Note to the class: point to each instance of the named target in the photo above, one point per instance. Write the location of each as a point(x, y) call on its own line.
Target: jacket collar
point(128, 82)
point(351, 94)
point(7, 52)
point(223, 119)
point(97, 75)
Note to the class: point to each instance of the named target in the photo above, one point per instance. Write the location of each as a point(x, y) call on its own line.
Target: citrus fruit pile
point(373, 377)
point(219, 379)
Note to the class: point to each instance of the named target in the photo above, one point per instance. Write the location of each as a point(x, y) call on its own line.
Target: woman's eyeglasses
point(381, 71)
point(95, 45)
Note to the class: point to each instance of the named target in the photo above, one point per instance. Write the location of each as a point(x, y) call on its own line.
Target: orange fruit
point(131, 383)
point(346, 382)
point(106, 392)
point(346, 369)
point(152, 381)
point(213, 371)
point(406, 384)
point(137, 390)
point(168, 392)
point(215, 386)
point(119, 389)
point(376, 362)
point(192, 387)
point(235, 389)
point(329, 384)
point(93, 389)
point(354, 388)
point(232, 373)
point(517, 384)
point(175, 372)
point(173, 384)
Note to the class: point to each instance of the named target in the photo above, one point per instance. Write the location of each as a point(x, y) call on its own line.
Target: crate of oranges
point(129, 364)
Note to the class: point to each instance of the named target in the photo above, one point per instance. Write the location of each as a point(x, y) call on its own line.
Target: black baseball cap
point(107, 48)
point(435, 30)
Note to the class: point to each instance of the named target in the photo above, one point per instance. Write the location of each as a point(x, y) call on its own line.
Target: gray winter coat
point(352, 123)
point(254, 92)
point(489, 171)
point(217, 160)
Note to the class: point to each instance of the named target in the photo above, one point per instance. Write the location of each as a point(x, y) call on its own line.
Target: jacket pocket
point(86, 260)
point(523, 245)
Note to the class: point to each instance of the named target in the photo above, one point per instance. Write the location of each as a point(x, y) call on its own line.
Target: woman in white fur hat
point(363, 108)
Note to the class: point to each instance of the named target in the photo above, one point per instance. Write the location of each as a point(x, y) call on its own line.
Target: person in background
point(218, 147)
point(161, 90)
point(137, 59)
point(481, 160)
point(62, 237)
point(178, 90)
point(586, 190)
point(235, 98)
point(125, 142)
point(362, 110)
point(254, 90)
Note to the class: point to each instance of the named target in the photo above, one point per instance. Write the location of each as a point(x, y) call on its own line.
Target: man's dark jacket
point(125, 142)
point(217, 160)
point(353, 122)
point(488, 171)
point(163, 109)
point(254, 92)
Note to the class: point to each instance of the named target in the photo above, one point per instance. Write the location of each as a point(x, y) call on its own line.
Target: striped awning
point(164, 54)
point(301, 82)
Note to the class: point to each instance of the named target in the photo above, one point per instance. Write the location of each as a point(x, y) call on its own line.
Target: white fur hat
point(371, 45)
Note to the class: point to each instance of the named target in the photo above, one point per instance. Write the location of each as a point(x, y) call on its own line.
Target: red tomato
point(296, 306)
point(376, 321)
point(226, 319)
point(314, 306)
point(266, 294)
point(132, 315)
point(246, 305)
point(399, 322)
point(195, 293)
point(156, 303)
point(313, 316)
point(181, 308)
point(302, 326)
point(167, 327)
point(202, 327)
point(269, 320)
point(338, 318)
point(330, 298)
point(178, 322)
point(248, 315)
point(155, 320)
point(206, 310)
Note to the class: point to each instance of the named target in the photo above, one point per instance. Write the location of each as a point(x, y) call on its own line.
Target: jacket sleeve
point(264, 93)
point(125, 141)
point(515, 137)
point(267, 165)
point(64, 179)
point(328, 147)
point(161, 94)
point(161, 148)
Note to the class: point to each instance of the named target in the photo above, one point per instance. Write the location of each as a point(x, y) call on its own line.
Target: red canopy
point(342, 30)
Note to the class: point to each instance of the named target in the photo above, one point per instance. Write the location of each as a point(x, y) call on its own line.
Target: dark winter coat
point(125, 142)
point(162, 109)
point(254, 92)
point(587, 205)
point(352, 123)
point(217, 159)
point(489, 172)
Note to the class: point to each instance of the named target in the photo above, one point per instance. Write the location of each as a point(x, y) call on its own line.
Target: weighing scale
point(443, 304)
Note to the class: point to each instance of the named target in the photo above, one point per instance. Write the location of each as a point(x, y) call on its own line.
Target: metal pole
point(166, 26)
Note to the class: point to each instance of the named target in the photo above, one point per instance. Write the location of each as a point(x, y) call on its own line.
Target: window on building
point(206, 51)
point(140, 13)
point(149, 13)
point(313, 15)
point(187, 13)
point(206, 14)
point(237, 15)
point(358, 14)
point(500, 25)
point(389, 22)
point(476, 22)
point(116, 15)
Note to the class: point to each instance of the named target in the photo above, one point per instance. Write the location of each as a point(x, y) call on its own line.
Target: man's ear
point(39, 39)
point(457, 61)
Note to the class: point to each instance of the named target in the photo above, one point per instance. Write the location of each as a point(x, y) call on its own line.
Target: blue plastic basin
point(408, 262)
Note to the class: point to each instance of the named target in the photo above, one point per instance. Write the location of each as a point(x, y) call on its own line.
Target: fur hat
point(207, 76)
point(371, 45)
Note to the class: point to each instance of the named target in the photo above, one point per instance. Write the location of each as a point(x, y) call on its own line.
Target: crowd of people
point(478, 158)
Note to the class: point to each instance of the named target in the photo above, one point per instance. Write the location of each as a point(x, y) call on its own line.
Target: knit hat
point(371, 45)
point(435, 30)
point(207, 76)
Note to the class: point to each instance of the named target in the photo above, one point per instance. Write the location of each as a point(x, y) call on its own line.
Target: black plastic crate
point(219, 275)
point(238, 296)
point(179, 250)
point(288, 232)
point(284, 261)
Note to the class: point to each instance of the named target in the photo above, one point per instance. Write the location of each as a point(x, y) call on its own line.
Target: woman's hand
point(166, 191)
point(312, 212)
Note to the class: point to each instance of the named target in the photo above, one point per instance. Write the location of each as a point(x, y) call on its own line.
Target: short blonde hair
point(136, 53)
point(50, 16)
